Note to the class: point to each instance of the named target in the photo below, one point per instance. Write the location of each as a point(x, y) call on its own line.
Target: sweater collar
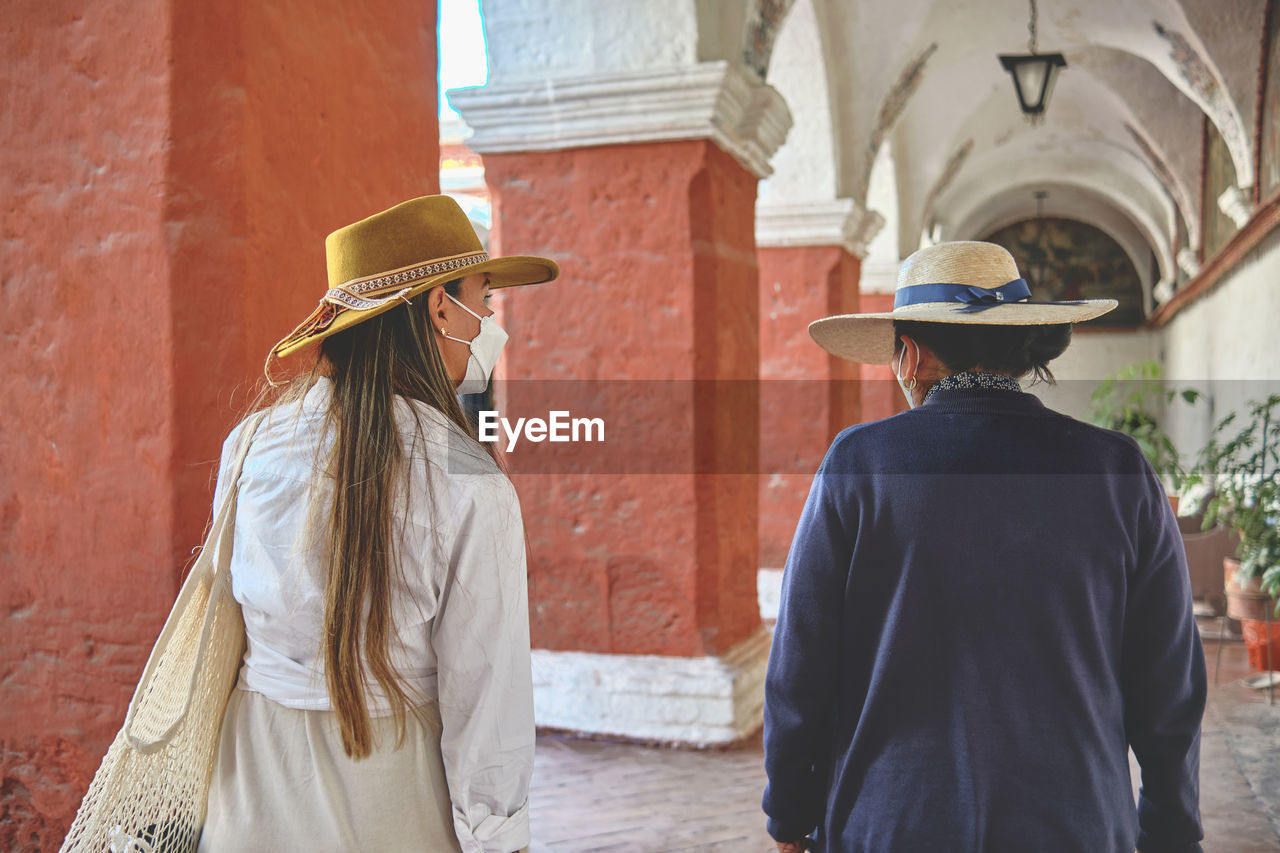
point(954, 397)
point(974, 380)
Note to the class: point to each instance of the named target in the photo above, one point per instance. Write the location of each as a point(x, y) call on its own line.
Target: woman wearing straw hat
point(385, 698)
point(986, 603)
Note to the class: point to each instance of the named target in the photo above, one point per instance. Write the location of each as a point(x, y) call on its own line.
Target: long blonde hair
point(393, 354)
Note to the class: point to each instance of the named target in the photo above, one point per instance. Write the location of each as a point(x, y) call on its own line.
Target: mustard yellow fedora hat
point(956, 282)
point(387, 259)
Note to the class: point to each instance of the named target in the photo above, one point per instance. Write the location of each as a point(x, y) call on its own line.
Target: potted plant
point(1129, 402)
point(1241, 466)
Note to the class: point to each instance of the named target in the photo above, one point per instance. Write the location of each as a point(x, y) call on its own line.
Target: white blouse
point(460, 604)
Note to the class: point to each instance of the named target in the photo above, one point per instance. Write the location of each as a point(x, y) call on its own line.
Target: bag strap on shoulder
point(217, 541)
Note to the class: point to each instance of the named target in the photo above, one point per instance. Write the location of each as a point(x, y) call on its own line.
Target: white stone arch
point(1093, 170)
point(764, 20)
point(804, 166)
point(1231, 34)
point(1160, 32)
point(876, 79)
point(1068, 201)
point(877, 52)
point(801, 203)
point(1084, 112)
point(1157, 116)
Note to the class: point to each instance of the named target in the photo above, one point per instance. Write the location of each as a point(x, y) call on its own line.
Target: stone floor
point(599, 796)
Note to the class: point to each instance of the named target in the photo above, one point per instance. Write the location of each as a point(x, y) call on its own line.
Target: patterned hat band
point(361, 294)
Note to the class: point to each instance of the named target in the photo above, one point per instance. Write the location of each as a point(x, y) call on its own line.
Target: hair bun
point(1045, 343)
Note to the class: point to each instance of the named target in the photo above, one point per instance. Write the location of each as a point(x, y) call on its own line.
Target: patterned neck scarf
point(970, 379)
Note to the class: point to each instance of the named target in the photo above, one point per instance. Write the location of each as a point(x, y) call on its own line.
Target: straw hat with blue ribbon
point(387, 259)
point(960, 282)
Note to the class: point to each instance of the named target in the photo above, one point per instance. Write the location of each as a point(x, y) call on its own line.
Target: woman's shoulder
point(455, 462)
point(904, 439)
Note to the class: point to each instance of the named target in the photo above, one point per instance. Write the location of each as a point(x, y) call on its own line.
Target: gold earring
point(912, 386)
point(443, 332)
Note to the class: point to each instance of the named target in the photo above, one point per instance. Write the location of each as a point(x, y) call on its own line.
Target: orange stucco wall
point(284, 127)
point(86, 427)
point(659, 282)
point(169, 170)
point(806, 395)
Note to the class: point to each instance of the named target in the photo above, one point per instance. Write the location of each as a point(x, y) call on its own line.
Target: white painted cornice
point(711, 100)
point(838, 222)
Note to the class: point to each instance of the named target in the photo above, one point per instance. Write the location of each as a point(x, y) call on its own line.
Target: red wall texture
point(169, 171)
point(86, 509)
point(659, 282)
point(806, 395)
point(285, 126)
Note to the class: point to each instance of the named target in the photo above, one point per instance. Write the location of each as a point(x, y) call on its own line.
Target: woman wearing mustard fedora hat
point(385, 696)
point(986, 604)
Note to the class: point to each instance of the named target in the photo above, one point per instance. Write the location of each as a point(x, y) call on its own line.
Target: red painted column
point(170, 169)
point(659, 284)
point(86, 509)
point(806, 395)
point(283, 128)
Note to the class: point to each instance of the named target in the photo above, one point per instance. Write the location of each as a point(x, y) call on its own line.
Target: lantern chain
point(1031, 27)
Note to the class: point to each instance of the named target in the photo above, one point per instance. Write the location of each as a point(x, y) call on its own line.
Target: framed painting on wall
point(1063, 259)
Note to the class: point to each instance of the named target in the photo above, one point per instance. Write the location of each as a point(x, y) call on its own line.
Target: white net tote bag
point(150, 794)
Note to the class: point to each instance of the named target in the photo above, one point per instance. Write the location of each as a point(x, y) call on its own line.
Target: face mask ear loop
point(910, 385)
point(463, 307)
point(443, 334)
point(472, 313)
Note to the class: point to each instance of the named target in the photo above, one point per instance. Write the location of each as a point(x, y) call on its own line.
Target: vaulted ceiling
point(902, 106)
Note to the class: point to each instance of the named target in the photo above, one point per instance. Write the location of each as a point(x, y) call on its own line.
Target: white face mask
point(485, 348)
point(897, 372)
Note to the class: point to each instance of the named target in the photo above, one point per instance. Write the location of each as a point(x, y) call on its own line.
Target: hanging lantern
point(1033, 74)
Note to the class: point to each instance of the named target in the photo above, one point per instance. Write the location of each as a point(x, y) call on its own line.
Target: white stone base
point(695, 701)
point(769, 592)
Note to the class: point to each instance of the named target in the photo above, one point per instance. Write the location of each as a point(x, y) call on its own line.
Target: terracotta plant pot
point(1248, 603)
point(1256, 642)
point(1173, 502)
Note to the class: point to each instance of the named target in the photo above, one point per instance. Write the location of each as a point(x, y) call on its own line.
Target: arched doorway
point(1064, 259)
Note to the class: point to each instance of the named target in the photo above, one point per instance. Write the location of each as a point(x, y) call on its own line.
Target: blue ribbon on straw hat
point(956, 282)
point(974, 298)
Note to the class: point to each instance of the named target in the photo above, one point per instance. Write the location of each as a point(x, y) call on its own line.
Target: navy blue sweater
point(986, 603)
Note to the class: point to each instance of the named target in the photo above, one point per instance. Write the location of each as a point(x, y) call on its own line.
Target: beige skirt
point(281, 782)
